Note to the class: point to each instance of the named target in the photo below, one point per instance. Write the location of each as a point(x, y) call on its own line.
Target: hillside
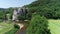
point(4, 11)
point(48, 8)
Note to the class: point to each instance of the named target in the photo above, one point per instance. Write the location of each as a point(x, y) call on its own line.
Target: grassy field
point(54, 26)
point(5, 27)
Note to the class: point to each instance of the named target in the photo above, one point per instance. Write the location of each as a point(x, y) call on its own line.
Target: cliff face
point(19, 12)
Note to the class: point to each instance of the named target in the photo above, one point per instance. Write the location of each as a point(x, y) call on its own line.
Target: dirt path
point(21, 25)
point(22, 29)
point(21, 32)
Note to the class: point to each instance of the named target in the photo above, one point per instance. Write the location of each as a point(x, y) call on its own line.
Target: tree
point(48, 8)
point(38, 25)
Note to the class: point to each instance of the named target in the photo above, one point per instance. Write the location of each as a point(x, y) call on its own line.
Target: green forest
point(47, 8)
point(43, 17)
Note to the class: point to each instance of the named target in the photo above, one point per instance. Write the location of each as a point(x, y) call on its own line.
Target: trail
point(22, 29)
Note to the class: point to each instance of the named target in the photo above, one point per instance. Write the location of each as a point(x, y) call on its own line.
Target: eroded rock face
point(18, 12)
point(14, 15)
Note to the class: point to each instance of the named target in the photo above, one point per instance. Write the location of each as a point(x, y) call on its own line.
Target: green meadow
point(54, 26)
point(4, 27)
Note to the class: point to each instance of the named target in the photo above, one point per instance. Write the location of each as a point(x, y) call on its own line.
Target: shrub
point(16, 26)
point(38, 25)
point(21, 17)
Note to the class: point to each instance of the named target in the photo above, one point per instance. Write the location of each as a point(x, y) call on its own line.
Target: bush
point(16, 26)
point(38, 25)
point(21, 17)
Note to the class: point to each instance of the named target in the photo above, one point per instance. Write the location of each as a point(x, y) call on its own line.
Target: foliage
point(3, 13)
point(38, 25)
point(21, 17)
point(48, 8)
point(13, 30)
point(16, 26)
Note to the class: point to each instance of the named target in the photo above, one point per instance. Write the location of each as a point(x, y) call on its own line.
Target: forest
point(43, 16)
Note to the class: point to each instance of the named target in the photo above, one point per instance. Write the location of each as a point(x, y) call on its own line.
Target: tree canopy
point(38, 25)
point(48, 8)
